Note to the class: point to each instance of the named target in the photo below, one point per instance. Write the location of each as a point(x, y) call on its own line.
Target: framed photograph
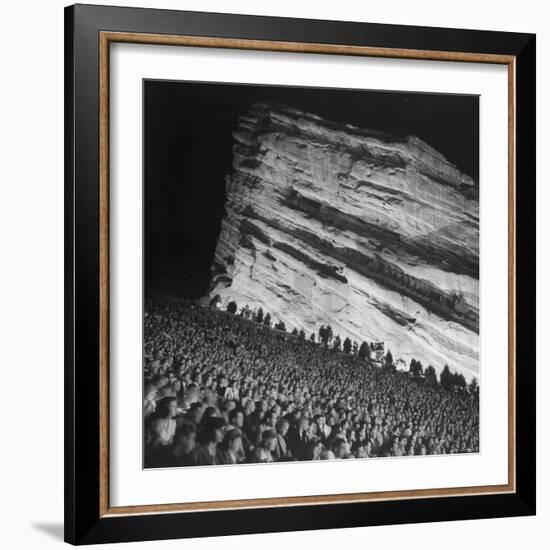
point(300, 274)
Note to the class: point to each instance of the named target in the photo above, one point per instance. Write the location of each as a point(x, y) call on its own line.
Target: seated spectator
point(184, 443)
point(340, 448)
point(163, 425)
point(282, 452)
point(236, 420)
point(264, 451)
point(149, 402)
point(313, 450)
point(160, 433)
point(232, 447)
point(210, 436)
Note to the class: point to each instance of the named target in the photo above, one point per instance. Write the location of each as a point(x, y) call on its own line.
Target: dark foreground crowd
point(220, 389)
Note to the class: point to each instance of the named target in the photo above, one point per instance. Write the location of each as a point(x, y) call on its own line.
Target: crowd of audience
point(220, 389)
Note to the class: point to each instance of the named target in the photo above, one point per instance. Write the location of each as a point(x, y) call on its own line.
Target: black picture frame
point(84, 524)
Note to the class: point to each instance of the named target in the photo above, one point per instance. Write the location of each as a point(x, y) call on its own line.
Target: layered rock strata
point(375, 235)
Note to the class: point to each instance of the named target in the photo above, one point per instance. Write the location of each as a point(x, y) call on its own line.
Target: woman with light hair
point(149, 399)
point(163, 426)
point(160, 435)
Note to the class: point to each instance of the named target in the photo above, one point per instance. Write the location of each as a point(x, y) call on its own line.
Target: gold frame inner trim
point(105, 39)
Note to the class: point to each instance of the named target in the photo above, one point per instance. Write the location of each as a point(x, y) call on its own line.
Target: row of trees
point(325, 335)
point(448, 380)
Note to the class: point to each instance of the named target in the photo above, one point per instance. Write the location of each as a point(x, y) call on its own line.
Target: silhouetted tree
point(347, 345)
point(416, 368)
point(336, 343)
point(232, 308)
point(301, 334)
point(260, 315)
point(430, 376)
point(325, 334)
point(445, 378)
point(389, 360)
point(364, 351)
point(459, 381)
point(295, 331)
point(280, 326)
point(312, 338)
point(473, 387)
point(355, 347)
point(330, 334)
point(267, 320)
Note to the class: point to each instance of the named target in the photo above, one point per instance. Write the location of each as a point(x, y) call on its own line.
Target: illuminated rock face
point(374, 235)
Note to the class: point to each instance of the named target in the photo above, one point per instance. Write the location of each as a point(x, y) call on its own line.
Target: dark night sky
point(187, 153)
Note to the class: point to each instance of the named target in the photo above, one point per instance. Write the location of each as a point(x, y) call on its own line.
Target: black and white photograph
point(311, 274)
point(275, 275)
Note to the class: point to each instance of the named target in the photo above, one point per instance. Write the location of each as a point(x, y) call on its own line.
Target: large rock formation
point(376, 235)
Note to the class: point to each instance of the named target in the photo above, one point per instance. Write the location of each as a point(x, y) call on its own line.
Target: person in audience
point(282, 452)
point(160, 433)
point(163, 425)
point(232, 447)
point(208, 451)
point(265, 450)
point(149, 402)
point(340, 448)
point(184, 443)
